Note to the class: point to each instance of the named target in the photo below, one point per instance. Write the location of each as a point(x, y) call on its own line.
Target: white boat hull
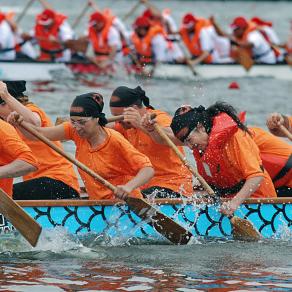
point(37, 71)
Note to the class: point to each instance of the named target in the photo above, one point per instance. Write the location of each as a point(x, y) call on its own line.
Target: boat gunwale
point(85, 62)
point(200, 201)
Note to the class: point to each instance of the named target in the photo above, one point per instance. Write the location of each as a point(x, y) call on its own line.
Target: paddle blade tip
point(244, 230)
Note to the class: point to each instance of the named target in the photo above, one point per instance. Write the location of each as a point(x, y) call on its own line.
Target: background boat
point(46, 71)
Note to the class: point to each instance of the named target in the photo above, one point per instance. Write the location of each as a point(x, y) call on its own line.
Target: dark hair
point(187, 118)
point(124, 96)
point(216, 109)
point(89, 105)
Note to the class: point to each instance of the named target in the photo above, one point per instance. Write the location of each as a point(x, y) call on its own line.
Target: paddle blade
point(163, 224)
point(244, 230)
point(244, 58)
point(25, 224)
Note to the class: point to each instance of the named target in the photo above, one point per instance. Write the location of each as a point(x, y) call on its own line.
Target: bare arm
point(199, 59)
point(142, 177)
point(148, 122)
point(250, 186)
point(15, 105)
point(54, 133)
point(16, 168)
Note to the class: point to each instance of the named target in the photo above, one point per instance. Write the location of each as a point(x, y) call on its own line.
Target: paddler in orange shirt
point(103, 150)
point(55, 177)
point(224, 150)
point(171, 178)
point(16, 158)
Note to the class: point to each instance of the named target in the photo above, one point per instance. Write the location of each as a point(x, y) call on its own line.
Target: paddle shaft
point(112, 119)
point(134, 8)
point(286, 132)
point(188, 60)
point(25, 9)
point(81, 15)
point(25, 224)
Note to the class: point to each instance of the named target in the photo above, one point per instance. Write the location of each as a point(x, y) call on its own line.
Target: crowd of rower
point(236, 160)
point(154, 38)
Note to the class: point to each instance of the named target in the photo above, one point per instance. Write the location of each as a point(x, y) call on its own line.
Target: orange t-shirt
point(51, 164)
point(243, 157)
point(11, 148)
point(271, 145)
point(116, 160)
point(169, 170)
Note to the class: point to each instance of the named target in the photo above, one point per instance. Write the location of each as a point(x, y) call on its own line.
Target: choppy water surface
point(65, 263)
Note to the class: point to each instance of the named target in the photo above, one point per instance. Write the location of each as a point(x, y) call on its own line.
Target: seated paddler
point(171, 179)
point(225, 152)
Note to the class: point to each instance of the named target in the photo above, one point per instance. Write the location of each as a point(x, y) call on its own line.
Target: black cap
point(16, 88)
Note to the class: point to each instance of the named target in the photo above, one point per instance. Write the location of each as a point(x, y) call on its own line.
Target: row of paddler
point(154, 38)
point(235, 160)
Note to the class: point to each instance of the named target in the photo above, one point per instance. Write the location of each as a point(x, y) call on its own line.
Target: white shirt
point(261, 50)
point(159, 47)
point(7, 40)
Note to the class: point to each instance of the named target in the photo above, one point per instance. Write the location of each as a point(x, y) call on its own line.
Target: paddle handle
point(286, 132)
point(188, 60)
point(70, 157)
point(112, 119)
point(27, 6)
point(183, 159)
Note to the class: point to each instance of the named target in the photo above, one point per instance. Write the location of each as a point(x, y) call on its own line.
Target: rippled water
point(62, 262)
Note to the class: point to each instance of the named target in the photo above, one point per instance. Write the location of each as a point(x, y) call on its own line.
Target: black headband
point(89, 105)
point(129, 96)
point(15, 88)
point(185, 120)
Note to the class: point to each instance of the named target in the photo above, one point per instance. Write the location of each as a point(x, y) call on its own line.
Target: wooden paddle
point(188, 60)
point(81, 15)
point(61, 120)
point(286, 132)
point(134, 8)
point(244, 58)
point(25, 224)
point(163, 224)
point(24, 11)
point(242, 228)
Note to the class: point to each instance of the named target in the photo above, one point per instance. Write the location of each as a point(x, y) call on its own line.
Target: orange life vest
point(251, 27)
point(144, 46)
point(99, 40)
point(211, 165)
point(193, 43)
point(49, 50)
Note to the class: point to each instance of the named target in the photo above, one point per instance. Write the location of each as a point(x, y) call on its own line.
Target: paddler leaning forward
point(55, 177)
point(171, 178)
point(103, 150)
point(225, 153)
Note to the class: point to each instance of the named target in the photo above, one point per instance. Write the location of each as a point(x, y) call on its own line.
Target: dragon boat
point(114, 219)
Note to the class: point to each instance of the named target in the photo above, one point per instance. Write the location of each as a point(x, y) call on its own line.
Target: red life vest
point(193, 44)
point(49, 50)
point(144, 46)
point(211, 164)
